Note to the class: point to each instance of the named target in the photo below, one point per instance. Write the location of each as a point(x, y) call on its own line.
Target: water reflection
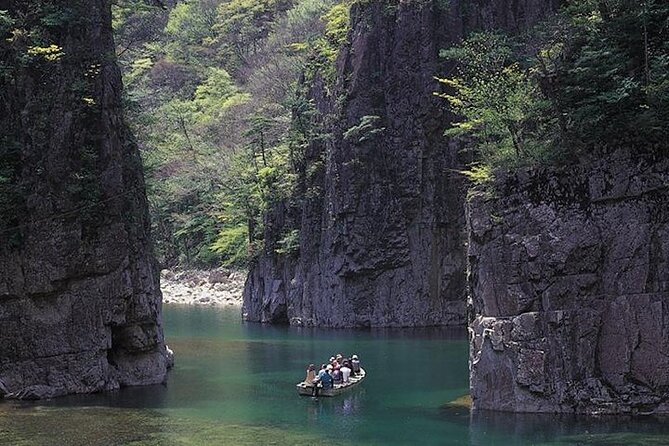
point(567, 430)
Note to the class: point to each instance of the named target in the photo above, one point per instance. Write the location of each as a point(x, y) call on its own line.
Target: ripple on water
point(48, 426)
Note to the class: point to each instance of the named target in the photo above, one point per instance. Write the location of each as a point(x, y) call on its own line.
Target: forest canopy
point(212, 89)
point(594, 75)
point(218, 94)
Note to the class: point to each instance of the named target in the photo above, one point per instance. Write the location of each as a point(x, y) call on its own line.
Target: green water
point(233, 384)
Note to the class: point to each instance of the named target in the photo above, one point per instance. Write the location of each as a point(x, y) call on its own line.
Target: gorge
point(367, 219)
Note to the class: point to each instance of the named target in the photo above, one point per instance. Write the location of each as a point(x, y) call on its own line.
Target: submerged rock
point(570, 297)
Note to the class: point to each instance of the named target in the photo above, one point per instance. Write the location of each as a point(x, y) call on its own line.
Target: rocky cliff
point(381, 215)
point(568, 277)
point(80, 304)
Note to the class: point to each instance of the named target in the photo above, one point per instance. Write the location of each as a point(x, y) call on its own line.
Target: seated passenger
point(325, 377)
point(345, 372)
point(337, 376)
point(333, 362)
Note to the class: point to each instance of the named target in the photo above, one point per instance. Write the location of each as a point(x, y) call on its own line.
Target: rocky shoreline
point(218, 287)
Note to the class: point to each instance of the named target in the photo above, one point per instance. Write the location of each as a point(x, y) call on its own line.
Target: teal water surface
point(234, 384)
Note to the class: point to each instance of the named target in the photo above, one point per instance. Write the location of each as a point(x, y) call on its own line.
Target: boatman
point(311, 375)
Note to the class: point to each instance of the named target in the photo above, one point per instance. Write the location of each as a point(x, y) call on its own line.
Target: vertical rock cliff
point(381, 217)
point(568, 277)
point(80, 304)
point(382, 243)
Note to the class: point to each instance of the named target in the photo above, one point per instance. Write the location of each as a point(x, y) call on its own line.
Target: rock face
point(570, 294)
point(381, 215)
point(381, 245)
point(80, 303)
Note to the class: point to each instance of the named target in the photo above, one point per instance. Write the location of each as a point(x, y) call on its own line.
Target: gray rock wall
point(568, 272)
point(80, 303)
point(382, 221)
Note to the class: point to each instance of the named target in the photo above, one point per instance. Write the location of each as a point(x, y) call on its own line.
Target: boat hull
point(306, 389)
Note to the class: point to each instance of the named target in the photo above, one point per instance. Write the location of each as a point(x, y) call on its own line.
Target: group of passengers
point(338, 370)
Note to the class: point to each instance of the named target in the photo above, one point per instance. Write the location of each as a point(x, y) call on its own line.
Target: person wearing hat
point(355, 364)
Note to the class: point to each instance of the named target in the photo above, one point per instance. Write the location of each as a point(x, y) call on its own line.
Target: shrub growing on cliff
point(597, 74)
point(500, 105)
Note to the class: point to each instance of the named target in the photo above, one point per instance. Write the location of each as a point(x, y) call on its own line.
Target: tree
point(500, 105)
point(611, 78)
point(243, 24)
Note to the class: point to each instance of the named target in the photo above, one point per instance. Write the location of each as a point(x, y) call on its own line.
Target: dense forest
point(215, 92)
point(218, 93)
point(594, 75)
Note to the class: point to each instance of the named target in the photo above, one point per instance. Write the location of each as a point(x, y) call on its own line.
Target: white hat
point(354, 357)
point(329, 367)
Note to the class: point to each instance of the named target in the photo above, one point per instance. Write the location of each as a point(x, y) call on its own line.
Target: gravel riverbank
point(195, 287)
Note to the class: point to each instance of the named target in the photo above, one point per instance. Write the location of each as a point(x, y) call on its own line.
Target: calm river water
point(234, 384)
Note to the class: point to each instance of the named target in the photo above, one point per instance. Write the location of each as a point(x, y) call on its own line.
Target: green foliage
point(337, 21)
point(478, 174)
point(192, 23)
point(367, 129)
point(610, 77)
point(213, 92)
point(326, 47)
point(232, 245)
point(289, 244)
point(53, 16)
point(51, 53)
point(594, 76)
point(243, 25)
point(502, 107)
point(6, 22)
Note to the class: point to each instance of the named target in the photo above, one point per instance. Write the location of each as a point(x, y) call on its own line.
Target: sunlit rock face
point(569, 282)
point(80, 304)
point(381, 211)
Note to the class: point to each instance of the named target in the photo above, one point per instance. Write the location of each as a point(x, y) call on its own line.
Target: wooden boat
point(306, 389)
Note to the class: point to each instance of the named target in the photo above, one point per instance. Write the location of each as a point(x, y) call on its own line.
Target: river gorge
point(469, 194)
point(234, 384)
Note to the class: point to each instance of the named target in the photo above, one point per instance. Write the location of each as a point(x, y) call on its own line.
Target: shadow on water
point(145, 397)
